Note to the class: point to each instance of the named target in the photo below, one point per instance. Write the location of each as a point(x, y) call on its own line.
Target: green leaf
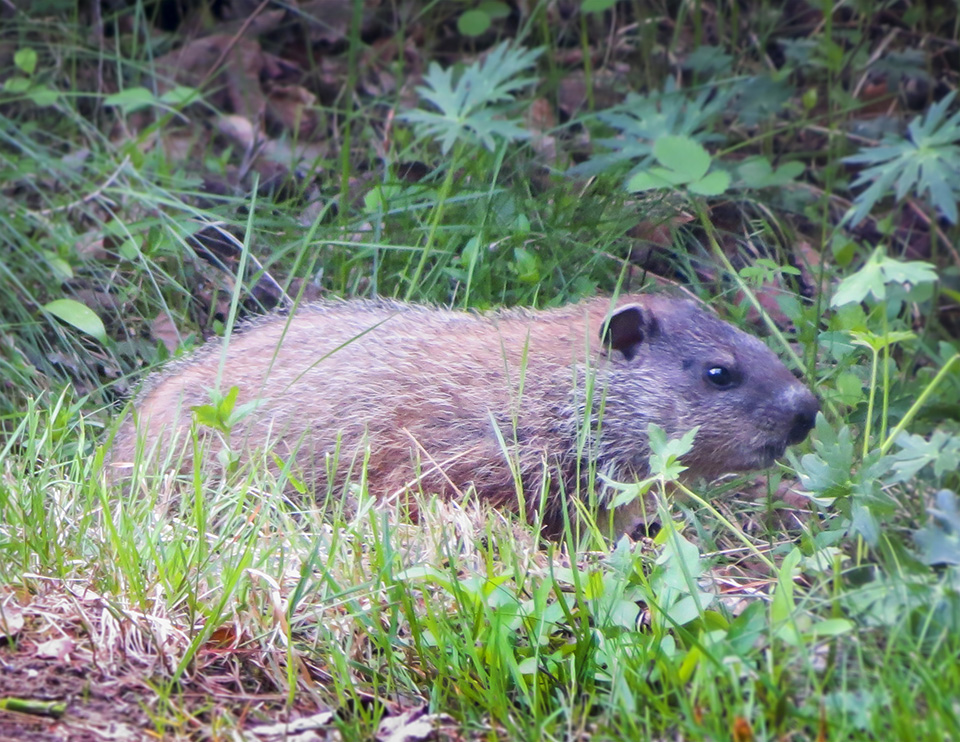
point(674, 579)
point(527, 266)
point(709, 61)
point(763, 270)
point(827, 472)
point(757, 172)
point(940, 541)
point(471, 106)
point(782, 605)
point(43, 96)
point(640, 121)
point(649, 180)
point(875, 275)
point(628, 492)
point(685, 163)
point(223, 413)
point(866, 339)
point(866, 281)
point(713, 184)
point(624, 613)
point(131, 100)
point(61, 268)
point(79, 315)
point(665, 454)
point(748, 628)
point(864, 521)
point(685, 156)
point(924, 163)
point(129, 249)
point(908, 271)
point(16, 85)
point(495, 9)
point(26, 60)
point(843, 249)
point(831, 627)
point(179, 96)
point(916, 452)
point(473, 22)
point(758, 98)
point(850, 388)
point(596, 6)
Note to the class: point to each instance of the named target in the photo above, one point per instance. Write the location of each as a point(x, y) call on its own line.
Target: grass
point(236, 596)
point(198, 610)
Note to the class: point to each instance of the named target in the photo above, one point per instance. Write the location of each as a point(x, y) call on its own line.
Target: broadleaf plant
point(641, 120)
point(940, 539)
point(926, 161)
point(682, 162)
point(878, 275)
point(471, 106)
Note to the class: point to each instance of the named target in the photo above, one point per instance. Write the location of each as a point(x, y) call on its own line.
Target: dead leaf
point(293, 108)
point(741, 731)
point(225, 636)
point(238, 130)
point(164, 330)
point(807, 259)
point(292, 154)
point(59, 648)
point(183, 144)
point(306, 729)
point(540, 121)
point(766, 296)
point(253, 26)
point(412, 725)
point(660, 232)
point(101, 302)
point(572, 91)
point(329, 20)
point(226, 63)
point(89, 246)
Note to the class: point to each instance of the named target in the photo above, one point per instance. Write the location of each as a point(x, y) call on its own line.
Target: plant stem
point(870, 401)
point(733, 529)
point(434, 223)
point(921, 400)
point(741, 284)
point(353, 46)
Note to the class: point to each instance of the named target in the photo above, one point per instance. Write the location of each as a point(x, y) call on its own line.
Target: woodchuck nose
point(510, 403)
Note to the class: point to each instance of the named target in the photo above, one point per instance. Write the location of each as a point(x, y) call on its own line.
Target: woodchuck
point(511, 403)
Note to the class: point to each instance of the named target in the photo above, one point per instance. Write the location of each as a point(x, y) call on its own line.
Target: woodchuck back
point(508, 403)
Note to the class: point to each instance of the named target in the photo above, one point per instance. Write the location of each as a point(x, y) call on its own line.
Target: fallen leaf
point(412, 725)
point(164, 330)
point(238, 130)
point(741, 730)
point(58, 648)
point(294, 108)
point(233, 64)
point(305, 729)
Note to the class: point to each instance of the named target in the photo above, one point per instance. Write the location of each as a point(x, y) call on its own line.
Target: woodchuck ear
point(627, 328)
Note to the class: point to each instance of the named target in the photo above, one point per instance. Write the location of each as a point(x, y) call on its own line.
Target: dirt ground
point(97, 707)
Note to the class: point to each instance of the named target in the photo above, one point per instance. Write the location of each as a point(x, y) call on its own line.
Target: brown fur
point(445, 401)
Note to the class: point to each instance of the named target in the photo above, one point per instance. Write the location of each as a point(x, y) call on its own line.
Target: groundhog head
point(682, 367)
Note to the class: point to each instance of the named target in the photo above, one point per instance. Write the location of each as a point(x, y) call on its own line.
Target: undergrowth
point(805, 181)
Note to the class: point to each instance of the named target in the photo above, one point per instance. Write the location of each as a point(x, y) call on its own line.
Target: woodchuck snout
point(507, 402)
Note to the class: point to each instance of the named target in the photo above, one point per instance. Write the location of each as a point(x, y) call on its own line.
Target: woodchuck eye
point(721, 377)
